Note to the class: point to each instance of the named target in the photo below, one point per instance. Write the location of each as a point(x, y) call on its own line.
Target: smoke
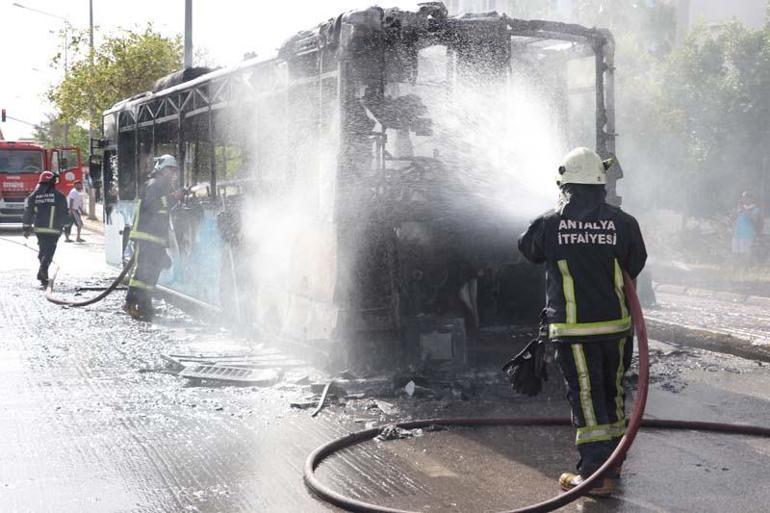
point(493, 147)
point(288, 224)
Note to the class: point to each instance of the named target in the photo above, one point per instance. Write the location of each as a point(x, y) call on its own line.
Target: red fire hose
point(635, 421)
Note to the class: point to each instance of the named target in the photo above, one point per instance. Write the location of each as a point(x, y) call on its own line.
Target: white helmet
point(163, 162)
point(585, 166)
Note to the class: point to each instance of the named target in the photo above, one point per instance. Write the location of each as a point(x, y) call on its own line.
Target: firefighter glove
point(527, 370)
point(27, 231)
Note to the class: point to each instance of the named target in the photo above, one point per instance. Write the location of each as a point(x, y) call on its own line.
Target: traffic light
point(2, 116)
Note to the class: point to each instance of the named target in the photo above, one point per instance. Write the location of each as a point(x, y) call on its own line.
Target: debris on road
point(231, 375)
point(393, 432)
point(322, 401)
point(386, 407)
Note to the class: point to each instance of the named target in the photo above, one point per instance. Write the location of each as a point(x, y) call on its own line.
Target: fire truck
point(20, 166)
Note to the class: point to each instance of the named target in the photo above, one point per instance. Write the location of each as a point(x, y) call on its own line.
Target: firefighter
point(45, 214)
point(586, 244)
point(150, 235)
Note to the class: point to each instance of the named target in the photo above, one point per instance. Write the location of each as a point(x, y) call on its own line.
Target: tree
point(717, 98)
point(50, 133)
point(122, 66)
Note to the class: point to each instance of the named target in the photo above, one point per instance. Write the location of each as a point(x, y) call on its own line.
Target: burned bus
point(364, 189)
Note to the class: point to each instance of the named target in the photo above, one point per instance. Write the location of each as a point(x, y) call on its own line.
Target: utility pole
point(66, 72)
point(188, 34)
point(91, 191)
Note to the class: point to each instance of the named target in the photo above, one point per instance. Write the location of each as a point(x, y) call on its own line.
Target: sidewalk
point(721, 321)
point(95, 225)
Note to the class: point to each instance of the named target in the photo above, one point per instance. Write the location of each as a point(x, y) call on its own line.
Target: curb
point(708, 339)
point(728, 297)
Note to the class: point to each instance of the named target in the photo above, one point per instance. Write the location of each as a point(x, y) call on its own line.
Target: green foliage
point(122, 66)
point(693, 116)
point(717, 98)
point(51, 133)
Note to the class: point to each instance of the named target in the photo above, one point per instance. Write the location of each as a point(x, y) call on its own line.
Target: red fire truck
point(20, 166)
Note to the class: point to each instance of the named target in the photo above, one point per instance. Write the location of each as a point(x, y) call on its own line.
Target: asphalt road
point(91, 422)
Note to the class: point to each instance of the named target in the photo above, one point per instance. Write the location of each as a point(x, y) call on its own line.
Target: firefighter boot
point(42, 275)
point(144, 307)
point(132, 309)
point(605, 486)
point(146, 313)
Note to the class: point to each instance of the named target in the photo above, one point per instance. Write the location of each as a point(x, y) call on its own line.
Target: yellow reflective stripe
point(597, 438)
point(136, 259)
point(619, 410)
point(589, 328)
point(593, 434)
point(601, 432)
point(136, 217)
point(140, 284)
point(53, 211)
point(619, 290)
point(584, 385)
point(618, 429)
point(46, 230)
point(164, 212)
point(568, 285)
point(164, 201)
point(147, 237)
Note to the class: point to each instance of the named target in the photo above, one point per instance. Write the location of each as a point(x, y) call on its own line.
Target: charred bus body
point(355, 192)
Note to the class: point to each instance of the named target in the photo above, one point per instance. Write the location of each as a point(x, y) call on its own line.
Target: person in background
point(76, 212)
point(45, 214)
point(748, 221)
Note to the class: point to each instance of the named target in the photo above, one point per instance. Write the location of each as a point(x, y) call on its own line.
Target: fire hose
point(635, 421)
point(65, 302)
point(106, 292)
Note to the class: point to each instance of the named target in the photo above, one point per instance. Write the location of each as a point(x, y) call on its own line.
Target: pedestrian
point(586, 245)
point(76, 212)
point(45, 214)
point(748, 225)
point(150, 236)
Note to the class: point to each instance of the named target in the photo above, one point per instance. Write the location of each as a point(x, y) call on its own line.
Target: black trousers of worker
point(593, 372)
point(46, 243)
point(151, 259)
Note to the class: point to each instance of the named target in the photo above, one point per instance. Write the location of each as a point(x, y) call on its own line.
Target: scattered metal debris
point(261, 360)
point(233, 375)
point(386, 407)
point(172, 364)
point(323, 398)
point(393, 432)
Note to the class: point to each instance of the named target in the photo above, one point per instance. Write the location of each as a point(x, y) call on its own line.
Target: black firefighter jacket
point(585, 245)
point(46, 210)
point(151, 220)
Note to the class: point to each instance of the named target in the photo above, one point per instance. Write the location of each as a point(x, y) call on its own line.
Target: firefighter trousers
point(46, 243)
point(151, 259)
point(593, 373)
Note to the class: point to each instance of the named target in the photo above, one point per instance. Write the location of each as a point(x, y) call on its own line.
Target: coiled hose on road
point(106, 292)
point(634, 423)
point(66, 302)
